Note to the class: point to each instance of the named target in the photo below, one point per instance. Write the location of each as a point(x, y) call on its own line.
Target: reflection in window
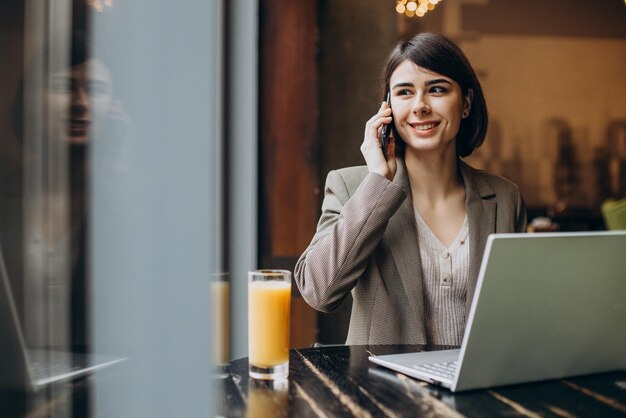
point(109, 152)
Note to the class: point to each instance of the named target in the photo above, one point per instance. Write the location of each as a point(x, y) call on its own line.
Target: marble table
point(339, 381)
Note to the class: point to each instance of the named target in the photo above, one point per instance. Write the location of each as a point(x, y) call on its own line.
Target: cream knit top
point(445, 271)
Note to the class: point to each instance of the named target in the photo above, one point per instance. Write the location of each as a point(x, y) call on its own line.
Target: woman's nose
point(420, 104)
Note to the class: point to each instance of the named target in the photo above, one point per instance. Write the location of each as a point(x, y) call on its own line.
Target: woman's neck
point(433, 176)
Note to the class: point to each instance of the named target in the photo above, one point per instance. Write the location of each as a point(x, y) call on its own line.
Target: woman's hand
point(371, 148)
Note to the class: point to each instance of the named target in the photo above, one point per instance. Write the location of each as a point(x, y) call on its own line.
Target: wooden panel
point(288, 198)
point(303, 323)
point(288, 201)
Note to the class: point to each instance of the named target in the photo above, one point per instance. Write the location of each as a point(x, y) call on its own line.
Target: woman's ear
point(467, 103)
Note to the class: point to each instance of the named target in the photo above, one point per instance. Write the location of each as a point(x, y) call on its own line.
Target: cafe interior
point(201, 152)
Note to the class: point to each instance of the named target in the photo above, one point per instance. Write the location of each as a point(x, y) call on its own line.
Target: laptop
point(546, 306)
point(28, 369)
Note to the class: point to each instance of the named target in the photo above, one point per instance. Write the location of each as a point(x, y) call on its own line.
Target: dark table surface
point(339, 381)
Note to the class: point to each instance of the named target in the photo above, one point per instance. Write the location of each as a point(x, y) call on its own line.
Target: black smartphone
point(386, 131)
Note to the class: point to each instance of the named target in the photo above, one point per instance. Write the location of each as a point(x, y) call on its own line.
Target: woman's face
point(79, 100)
point(427, 108)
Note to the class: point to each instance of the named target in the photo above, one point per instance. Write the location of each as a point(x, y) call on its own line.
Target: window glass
point(110, 183)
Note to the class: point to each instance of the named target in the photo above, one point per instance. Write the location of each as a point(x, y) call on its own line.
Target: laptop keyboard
point(43, 371)
point(444, 369)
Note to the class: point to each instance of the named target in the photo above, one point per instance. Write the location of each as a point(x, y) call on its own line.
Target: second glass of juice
point(269, 304)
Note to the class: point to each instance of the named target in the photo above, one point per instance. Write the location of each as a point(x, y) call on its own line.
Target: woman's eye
point(60, 85)
point(98, 88)
point(403, 92)
point(438, 89)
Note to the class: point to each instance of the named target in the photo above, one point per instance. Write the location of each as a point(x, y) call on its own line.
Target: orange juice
point(268, 322)
point(219, 300)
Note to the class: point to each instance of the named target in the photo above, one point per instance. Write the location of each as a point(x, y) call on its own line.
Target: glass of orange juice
point(269, 303)
point(220, 320)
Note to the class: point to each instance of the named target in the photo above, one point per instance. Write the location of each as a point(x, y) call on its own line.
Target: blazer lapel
point(402, 239)
point(481, 215)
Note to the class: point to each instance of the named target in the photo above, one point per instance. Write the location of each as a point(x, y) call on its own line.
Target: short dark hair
point(437, 53)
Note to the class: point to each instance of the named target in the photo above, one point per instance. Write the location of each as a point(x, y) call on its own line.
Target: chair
point(614, 214)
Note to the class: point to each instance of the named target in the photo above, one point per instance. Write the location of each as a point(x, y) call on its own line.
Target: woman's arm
point(347, 234)
point(520, 214)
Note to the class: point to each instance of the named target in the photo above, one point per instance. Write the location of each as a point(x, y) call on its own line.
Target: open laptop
point(27, 369)
point(547, 306)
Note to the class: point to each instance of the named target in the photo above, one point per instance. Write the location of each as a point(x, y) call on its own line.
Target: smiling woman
point(64, 100)
point(427, 106)
point(426, 51)
point(406, 232)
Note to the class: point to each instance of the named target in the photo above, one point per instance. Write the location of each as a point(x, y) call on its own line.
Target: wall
point(532, 84)
point(353, 44)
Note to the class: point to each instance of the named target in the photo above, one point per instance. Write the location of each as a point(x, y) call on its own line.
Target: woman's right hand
point(371, 148)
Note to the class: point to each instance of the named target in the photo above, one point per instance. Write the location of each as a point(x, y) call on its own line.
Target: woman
point(406, 234)
point(80, 109)
point(83, 110)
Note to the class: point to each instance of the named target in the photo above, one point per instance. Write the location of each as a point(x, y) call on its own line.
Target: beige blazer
point(366, 243)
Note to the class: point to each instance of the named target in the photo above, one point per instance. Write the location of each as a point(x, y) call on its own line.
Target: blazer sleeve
point(348, 231)
point(520, 214)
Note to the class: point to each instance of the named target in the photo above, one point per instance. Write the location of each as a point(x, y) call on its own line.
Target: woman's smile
point(78, 127)
point(425, 129)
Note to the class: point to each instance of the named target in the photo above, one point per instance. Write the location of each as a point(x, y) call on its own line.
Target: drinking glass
point(220, 295)
point(269, 302)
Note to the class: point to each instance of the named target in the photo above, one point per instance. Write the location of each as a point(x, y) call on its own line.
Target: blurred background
point(152, 151)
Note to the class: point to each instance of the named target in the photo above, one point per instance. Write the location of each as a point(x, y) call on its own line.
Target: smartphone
point(386, 131)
